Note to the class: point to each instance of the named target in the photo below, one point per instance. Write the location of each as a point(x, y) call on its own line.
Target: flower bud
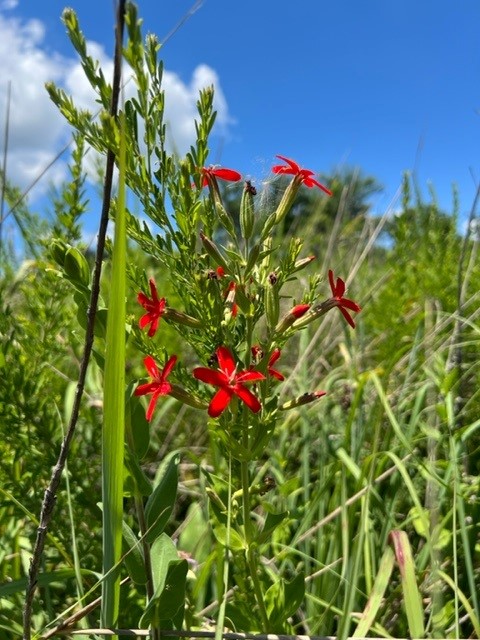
point(305, 398)
point(301, 264)
point(317, 311)
point(292, 316)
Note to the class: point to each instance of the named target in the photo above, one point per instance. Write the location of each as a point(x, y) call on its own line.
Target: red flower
point(224, 174)
point(230, 383)
point(303, 175)
point(338, 289)
point(155, 308)
point(159, 385)
point(257, 353)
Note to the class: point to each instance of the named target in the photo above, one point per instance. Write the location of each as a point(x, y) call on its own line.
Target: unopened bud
point(298, 311)
point(317, 311)
point(305, 398)
point(301, 264)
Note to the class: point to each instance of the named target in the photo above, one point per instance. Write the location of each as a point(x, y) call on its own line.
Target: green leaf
point(160, 504)
point(272, 521)
point(169, 577)
point(133, 555)
point(282, 599)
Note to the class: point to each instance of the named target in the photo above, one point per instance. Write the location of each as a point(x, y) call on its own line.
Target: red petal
point(153, 329)
point(144, 320)
point(168, 367)
point(350, 304)
point(338, 289)
point(248, 398)
point(153, 290)
point(276, 374)
point(249, 376)
point(151, 407)
point(332, 281)
point(143, 389)
point(279, 169)
point(151, 367)
point(310, 182)
point(226, 174)
point(293, 165)
point(210, 376)
point(274, 357)
point(226, 361)
point(347, 317)
point(143, 300)
point(219, 402)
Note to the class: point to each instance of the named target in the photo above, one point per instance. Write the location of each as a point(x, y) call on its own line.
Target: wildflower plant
point(235, 316)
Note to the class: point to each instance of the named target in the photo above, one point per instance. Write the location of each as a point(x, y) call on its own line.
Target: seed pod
point(247, 212)
point(271, 301)
point(214, 252)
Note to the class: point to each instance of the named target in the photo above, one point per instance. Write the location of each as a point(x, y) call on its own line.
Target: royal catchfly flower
point(154, 307)
point(230, 382)
point(304, 176)
point(230, 175)
point(338, 289)
point(158, 385)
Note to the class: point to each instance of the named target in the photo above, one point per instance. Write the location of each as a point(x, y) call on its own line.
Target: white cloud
point(37, 130)
point(8, 4)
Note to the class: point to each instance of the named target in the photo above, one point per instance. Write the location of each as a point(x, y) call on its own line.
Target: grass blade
point(114, 411)
point(411, 595)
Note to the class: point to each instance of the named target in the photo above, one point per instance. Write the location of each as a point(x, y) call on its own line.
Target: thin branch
point(50, 493)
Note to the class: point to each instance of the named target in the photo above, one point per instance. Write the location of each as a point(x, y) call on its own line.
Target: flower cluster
point(231, 378)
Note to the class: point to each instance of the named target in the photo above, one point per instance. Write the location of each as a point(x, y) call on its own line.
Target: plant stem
point(250, 552)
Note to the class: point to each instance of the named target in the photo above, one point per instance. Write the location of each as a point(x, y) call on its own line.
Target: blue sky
point(382, 85)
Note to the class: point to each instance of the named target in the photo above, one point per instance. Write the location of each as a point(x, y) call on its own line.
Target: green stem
point(251, 553)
